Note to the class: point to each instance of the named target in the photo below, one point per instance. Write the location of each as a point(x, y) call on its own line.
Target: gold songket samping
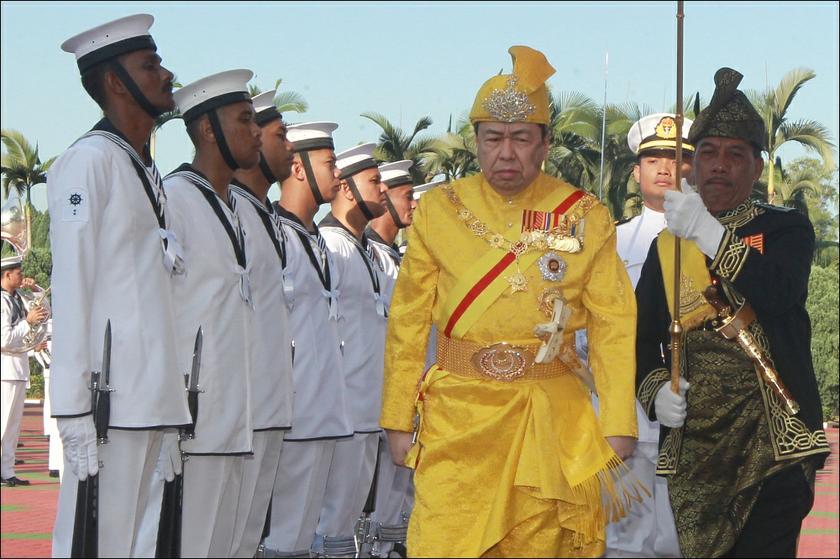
point(735, 326)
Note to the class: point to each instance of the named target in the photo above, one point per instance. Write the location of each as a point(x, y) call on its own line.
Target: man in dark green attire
point(741, 462)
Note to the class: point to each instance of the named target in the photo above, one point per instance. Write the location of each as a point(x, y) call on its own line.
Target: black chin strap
point(135, 92)
point(310, 177)
point(359, 200)
point(393, 211)
point(266, 170)
point(220, 140)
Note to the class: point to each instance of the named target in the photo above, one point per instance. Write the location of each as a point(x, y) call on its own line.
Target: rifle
point(171, 508)
point(86, 523)
point(364, 535)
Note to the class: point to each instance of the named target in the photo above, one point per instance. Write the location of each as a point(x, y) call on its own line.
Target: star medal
point(552, 266)
point(518, 282)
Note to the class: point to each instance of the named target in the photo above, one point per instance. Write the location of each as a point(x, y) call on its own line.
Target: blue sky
point(407, 60)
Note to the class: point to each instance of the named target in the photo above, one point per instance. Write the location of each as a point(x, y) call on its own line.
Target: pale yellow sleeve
point(409, 323)
point(608, 297)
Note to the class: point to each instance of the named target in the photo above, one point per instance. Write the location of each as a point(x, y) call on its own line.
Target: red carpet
point(28, 512)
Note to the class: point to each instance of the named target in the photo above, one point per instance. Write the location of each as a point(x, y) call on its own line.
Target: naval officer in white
point(648, 530)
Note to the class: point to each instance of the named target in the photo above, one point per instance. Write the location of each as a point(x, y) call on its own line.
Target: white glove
point(169, 459)
point(78, 435)
point(670, 407)
point(688, 218)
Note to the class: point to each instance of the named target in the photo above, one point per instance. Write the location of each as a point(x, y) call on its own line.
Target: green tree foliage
point(21, 165)
point(773, 105)
point(396, 145)
point(823, 304)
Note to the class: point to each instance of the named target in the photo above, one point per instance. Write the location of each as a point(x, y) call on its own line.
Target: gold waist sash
point(501, 361)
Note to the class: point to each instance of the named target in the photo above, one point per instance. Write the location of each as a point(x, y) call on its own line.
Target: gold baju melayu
point(510, 458)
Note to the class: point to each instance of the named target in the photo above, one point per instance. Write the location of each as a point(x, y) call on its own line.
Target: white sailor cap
point(311, 135)
point(396, 174)
point(423, 188)
point(217, 90)
point(111, 39)
point(658, 132)
point(264, 107)
point(355, 160)
point(11, 262)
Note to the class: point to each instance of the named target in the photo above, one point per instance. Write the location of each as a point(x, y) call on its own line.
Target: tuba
point(14, 230)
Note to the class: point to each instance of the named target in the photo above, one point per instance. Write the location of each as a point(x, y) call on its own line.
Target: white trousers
point(258, 475)
point(348, 485)
point(211, 493)
point(394, 493)
point(648, 530)
point(127, 467)
point(299, 494)
point(56, 452)
point(12, 397)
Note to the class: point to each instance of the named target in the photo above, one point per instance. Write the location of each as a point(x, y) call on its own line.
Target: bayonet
point(193, 387)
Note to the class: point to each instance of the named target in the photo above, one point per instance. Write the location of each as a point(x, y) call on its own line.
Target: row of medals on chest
point(565, 235)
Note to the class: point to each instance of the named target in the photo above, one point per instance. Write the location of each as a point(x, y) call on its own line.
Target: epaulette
point(766, 206)
point(623, 221)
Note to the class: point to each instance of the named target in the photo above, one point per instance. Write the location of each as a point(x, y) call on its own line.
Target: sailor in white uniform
point(114, 258)
point(362, 321)
point(393, 483)
point(648, 530)
point(271, 355)
point(215, 296)
point(320, 414)
point(16, 322)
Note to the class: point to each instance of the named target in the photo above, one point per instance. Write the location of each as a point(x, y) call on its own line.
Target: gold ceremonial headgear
point(521, 96)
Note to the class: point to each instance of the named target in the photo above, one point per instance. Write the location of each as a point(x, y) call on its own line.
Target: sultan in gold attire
point(510, 458)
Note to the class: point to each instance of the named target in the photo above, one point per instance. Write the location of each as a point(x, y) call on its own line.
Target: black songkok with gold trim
point(729, 114)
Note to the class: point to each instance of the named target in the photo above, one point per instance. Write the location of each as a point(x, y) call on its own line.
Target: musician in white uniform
point(271, 356)
point(16, 322)
point(114, 257)
point(393, 504)
point(320, 412)
point(649, 530)
point(216, 296)
point(362, 320)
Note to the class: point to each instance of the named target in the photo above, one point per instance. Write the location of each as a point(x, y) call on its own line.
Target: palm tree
point(773, 105)
point(285, 101)
point(395, 145)
point(453, 154)
point(22, 169)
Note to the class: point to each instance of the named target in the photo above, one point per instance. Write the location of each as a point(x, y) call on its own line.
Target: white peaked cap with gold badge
point(658, 132)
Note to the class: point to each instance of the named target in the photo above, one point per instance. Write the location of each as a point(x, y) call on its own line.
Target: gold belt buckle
point(503, 361)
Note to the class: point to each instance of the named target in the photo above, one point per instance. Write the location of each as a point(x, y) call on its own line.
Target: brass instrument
point(14, 229)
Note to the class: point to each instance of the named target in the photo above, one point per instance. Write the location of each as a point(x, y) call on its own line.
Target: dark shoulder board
point(623, 221)
point(772, 207)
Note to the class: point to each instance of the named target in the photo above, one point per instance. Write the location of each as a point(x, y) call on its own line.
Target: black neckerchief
point(393, 250)
point(141, 167)
point(306, 238)
point(17, 306)
point(330, 221)
point(266, 213)
point(197, 179)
